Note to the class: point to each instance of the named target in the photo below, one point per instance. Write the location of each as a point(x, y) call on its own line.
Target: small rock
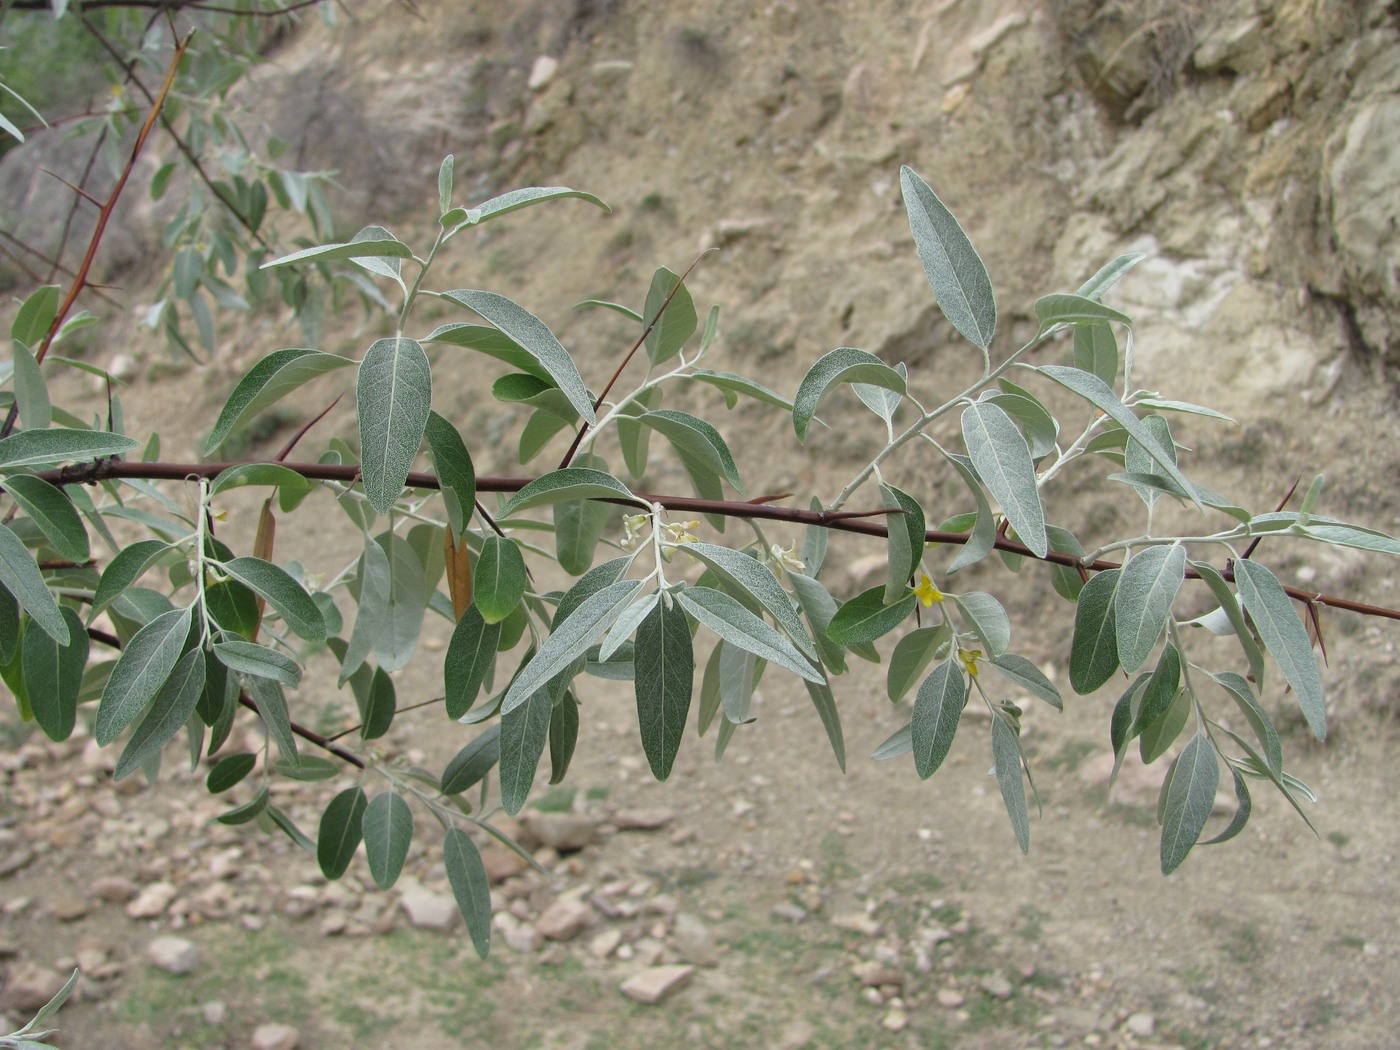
point(69, 909)
point(565, 919)
point(996, 985)
point(873, 974)
point(693, 942)
point(425, 909)
point(501, 862)
point(274, 1037)
point(173, 954)
point(1142, 1025)
point(214, 1013)
point(896, 1020)
point(16, 860)
point(152, 901)
point(565, 832)
point(950, 998)
point(542, 72)
point(29, 987)
point(656, 983)
point(857, 922)
point(605, 942)
point(789, 913)
point(643, 819)
point(114, 889)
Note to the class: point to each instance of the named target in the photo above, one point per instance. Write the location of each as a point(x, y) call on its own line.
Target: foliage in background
point(175, 634)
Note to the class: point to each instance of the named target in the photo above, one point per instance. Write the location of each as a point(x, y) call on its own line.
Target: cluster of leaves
point(693, 625)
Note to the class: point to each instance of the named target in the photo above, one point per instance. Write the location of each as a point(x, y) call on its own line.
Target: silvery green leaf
point(1350, 536)
point(1006, 759)
point(250, 658)
point(142, 668)
point(372, 241)
point(627, 623)
point(31, 390)
point(1142, 605)
point(471, 764)
point(524, 732)
point(984, 531)
point(699, 444)
point(1096, 351)
point(1096, 392)
point(1314, 490)
point(1254, 764)
point(731, 621)
point(563, 736)
point(1186, 407)
point(1254, 713)
point(394, 391)
point(1285, 637)
point(1062, 308)
point(1155, 699)
point(167, 715)
point(272, 708)
point(532, 335)
point(866, 617)
point(282, 592)
point(751, 577)
point(665, 675)
point(570, 483)
point(1242, 811)
point(988, 620)
point(732, 384)
point(470, 656)
point(958, 277)
point(843, 365)
point(1139, 461)
point(498, 578)
point(911, 656)
point(35, 448)
point(52, 511)
point(670, 331)
point(738, 677)
point(825, 703)
point(937, 710)
point(1094, 651)
point(589, 584)
point(881, 400)
point(1223, 594)
point(900, 742)
point(1003, 461)
point(1029, 677)
point(819, 607)
point(1109, 274)
point(1034, 420)
point(470, 887)
point(514, 200)
point(569, 641)
point(455, 472)
point(340, 832)
point(1190, 796)
point(387, 826)
point(53, 673)
point(1157, 738)
point(904, 538)
point(35, 317)
point(445, 184)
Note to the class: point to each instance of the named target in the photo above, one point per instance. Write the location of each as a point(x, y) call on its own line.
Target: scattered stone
point(950, 998)
point(214, 1013)
point(1141, 1025)
point(565, 832)
point(611, 70)
point(15, 861)
point(114, 889)
point(152, 901)
point(173, 954)
point(873, 974)
point(565, 919)
point(652, 985)
point(693, 941)
point(643, 819)
point(501, 862)
point(274, 1037)
point(30, 986)
point(605, 942)
point(425, 909)
point(996, 985)
point(542, 72)
point(69, 909)
point(857, 922)
point(789, 913)
point(895, 1020)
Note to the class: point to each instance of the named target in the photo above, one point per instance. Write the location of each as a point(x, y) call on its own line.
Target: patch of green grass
point(1338, 839)
point(835, 866)
point(1070, 757)
point(1243, 944)
point(560, 800)
point(1032, 923)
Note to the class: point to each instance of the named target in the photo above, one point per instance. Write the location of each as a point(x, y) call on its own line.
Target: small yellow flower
point(927, 592)
point(785, 558)
point(969, 658)
point(680, 531)
point(633, 524)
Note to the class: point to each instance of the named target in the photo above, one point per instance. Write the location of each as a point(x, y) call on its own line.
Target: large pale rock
point(274, 1037)
point(426, 909)
point(152, 901)
point(565, 919)
point(565, 832)
point(656, 983)
point(173, 954)
point(29, 986)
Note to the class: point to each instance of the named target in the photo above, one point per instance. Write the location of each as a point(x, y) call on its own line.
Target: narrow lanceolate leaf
point(1006, 757)
point(676, 325)
point(387, 826)
point(53, 512)
point(268, 381)
point(514, 200)
point(470, 656)
point(1097, 392)
point(843, 365)
point(984, 530)
point(1109, 274)
point(563, 736)
point(532, 335)
point(1231, 607)
point(1003, 459)
point(1029, 677)
point(272, 706)
point(498, 580)
point(665, 674)
point(471, 764)
point(1096, 351)
point(455, 472)
point(1062, 308)
point(1242, 810)
point(904, 541)
point(281, 592)
point(405, 600)
point(749, 576)
point(988, 620)
point(470, 886)
point(1284, 635)
point(569, 641)
point(1259, 720)
point(570, 483)
point(36, 448)
point(394, 390)
point(53, 674)
point(19, 574)
point(912, 655)
point(341, 831)
point(950, 262)
point(10, 626)
point(173, 705)
point(1143, 602)
point(866, 617)
point(35, 315)
point(1093, 654)
point(736, 625)
point(125, 569)
point(937, 711)
point(700, 446)
point(246, 812)
point(1158, 695)
point(900, 742)
point(378, 706)
point(733, 385)
point(373, 242)
point(1190, 796)
point(141, 670)
point(250, 658)
point(825, 702)
point(230, 770)
point(524, 731)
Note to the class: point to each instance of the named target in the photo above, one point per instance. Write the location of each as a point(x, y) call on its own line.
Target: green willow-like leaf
point(250, 658)
point(1003, 460)
point(1254, 713)
point(843, 365)
point(39, 448)
point(35, 316)
point(988, 620)
point(394, 390)
point(470, 887)
point(1158, 737)
point(247, 812)
point(898, 743)
point(229, 771)
point(1029, 677)
point(1006, 758)
point(937, 710)
point(676, 325)
point(1242, 811)
point(904, 541)
point(699, 445)
point(282, 592)
point(732, 385)
point(272, 707)
point(1285, 637)
point(1062, 308)
point(1109, 274)
point(470, 765)
point(1223, 594)
point(727, 618)
point(570, 483)
point(866, 617)
point(342, 826)
point(19, 574)
point(268, 381)
point(373, 242)
point(455, 471)
point(953, 268)
point(1138, 460)
point(819, 607)
point(1094, 651)
point(1096, 351)
point(1142, 603)
point(825, 703)
point(752, 579)
point(1190, 795)
point(168, 713)
point(378, 707)
point(53, 512)
point(142, 668)
point(563, 736)
point(911, 657)
point(665, 675)
point(125, 568)
point(53, 673)
point(387, 827)
point(514, 200)
point(10, 627)
point(981, 541)
point(524, 732)
point(1160, 691)
point(470, 656)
